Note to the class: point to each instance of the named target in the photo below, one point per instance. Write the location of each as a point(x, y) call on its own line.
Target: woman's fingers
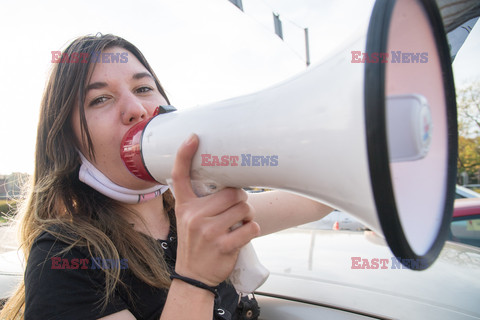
point(232, 218)
point(207, 244)
point(222, 200)
point(239, 237)
point(181, 169)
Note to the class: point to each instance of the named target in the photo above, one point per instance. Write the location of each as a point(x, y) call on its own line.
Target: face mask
point(97, 180)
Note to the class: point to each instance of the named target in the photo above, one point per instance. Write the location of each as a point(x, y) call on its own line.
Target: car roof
point(463, 192)
point(466, 207)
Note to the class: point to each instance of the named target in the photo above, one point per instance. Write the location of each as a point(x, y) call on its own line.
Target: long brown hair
point(57, 200)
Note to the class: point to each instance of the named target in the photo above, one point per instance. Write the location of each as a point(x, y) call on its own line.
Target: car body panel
point(462, 192)
point(277, 308)
point(465, 227)
point(348, 222)
point(312, 274)
point(11, 272)
point(466, 207)
point(345, 222)
point(315, 266)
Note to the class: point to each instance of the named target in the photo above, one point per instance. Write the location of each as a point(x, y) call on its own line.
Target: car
point(465, 226)
point(11, 273)
point(314, 262)
point(337, 220)
point(11, 262)
point(344, 221)
point(327, 274)
point(463, 192)
point(474, 187)
point(344, 274)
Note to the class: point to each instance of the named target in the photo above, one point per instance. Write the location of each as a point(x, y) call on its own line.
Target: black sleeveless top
point(72, 285)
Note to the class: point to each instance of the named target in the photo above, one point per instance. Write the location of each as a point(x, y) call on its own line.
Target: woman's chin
point(130, 181)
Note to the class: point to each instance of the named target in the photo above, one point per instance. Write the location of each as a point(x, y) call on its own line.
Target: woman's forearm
point(278, 210)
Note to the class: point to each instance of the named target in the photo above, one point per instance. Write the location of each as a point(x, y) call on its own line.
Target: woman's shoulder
point(54, 249)
point(62, 280)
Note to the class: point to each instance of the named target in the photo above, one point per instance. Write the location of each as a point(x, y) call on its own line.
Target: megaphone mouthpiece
point(131, 152)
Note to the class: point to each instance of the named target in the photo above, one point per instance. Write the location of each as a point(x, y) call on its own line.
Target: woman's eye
point(144, 89)
point(98, 100)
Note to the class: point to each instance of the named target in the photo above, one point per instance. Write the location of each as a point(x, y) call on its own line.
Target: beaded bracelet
point(195, 283)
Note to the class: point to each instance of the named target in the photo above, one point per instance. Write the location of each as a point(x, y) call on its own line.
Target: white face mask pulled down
point(97, 180)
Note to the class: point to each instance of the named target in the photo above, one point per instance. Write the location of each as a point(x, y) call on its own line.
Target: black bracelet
point(194, 282)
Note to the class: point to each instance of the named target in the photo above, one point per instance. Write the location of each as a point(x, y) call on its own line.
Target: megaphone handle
point(248, 273)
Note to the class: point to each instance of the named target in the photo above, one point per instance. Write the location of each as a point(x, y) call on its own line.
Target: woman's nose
point(133, 111)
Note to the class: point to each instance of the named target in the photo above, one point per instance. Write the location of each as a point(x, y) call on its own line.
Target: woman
point(93, 256)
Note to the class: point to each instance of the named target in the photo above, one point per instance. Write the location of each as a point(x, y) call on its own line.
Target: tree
point(468, 103)
point(469, 158)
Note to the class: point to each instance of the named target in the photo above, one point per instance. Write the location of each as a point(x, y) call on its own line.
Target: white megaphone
point(371, 131)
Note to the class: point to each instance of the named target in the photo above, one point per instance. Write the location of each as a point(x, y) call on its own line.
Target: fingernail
point(190, 139)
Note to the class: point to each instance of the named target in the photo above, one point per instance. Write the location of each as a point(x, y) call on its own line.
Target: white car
point(11, 273)
point(326, 274)
point(462, 192)
point(343, 221)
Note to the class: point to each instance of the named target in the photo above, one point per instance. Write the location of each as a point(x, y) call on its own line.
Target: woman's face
point(118, 96)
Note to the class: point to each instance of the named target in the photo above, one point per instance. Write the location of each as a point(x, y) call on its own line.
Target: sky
point(202, 51)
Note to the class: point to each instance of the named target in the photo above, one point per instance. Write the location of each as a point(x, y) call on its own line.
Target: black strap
point(195, 283)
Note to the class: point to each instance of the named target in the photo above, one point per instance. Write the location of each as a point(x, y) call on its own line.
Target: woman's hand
point(207, 247)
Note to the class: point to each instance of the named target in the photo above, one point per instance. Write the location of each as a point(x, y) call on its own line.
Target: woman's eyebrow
point(142, 75)
point(96, 85)
point(100, 85)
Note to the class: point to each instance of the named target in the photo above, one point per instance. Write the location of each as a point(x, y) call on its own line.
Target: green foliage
point(7, 209)
point(468, 102)
point(469, 155)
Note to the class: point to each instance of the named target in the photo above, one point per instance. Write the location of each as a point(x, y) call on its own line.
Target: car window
point(466, 231)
